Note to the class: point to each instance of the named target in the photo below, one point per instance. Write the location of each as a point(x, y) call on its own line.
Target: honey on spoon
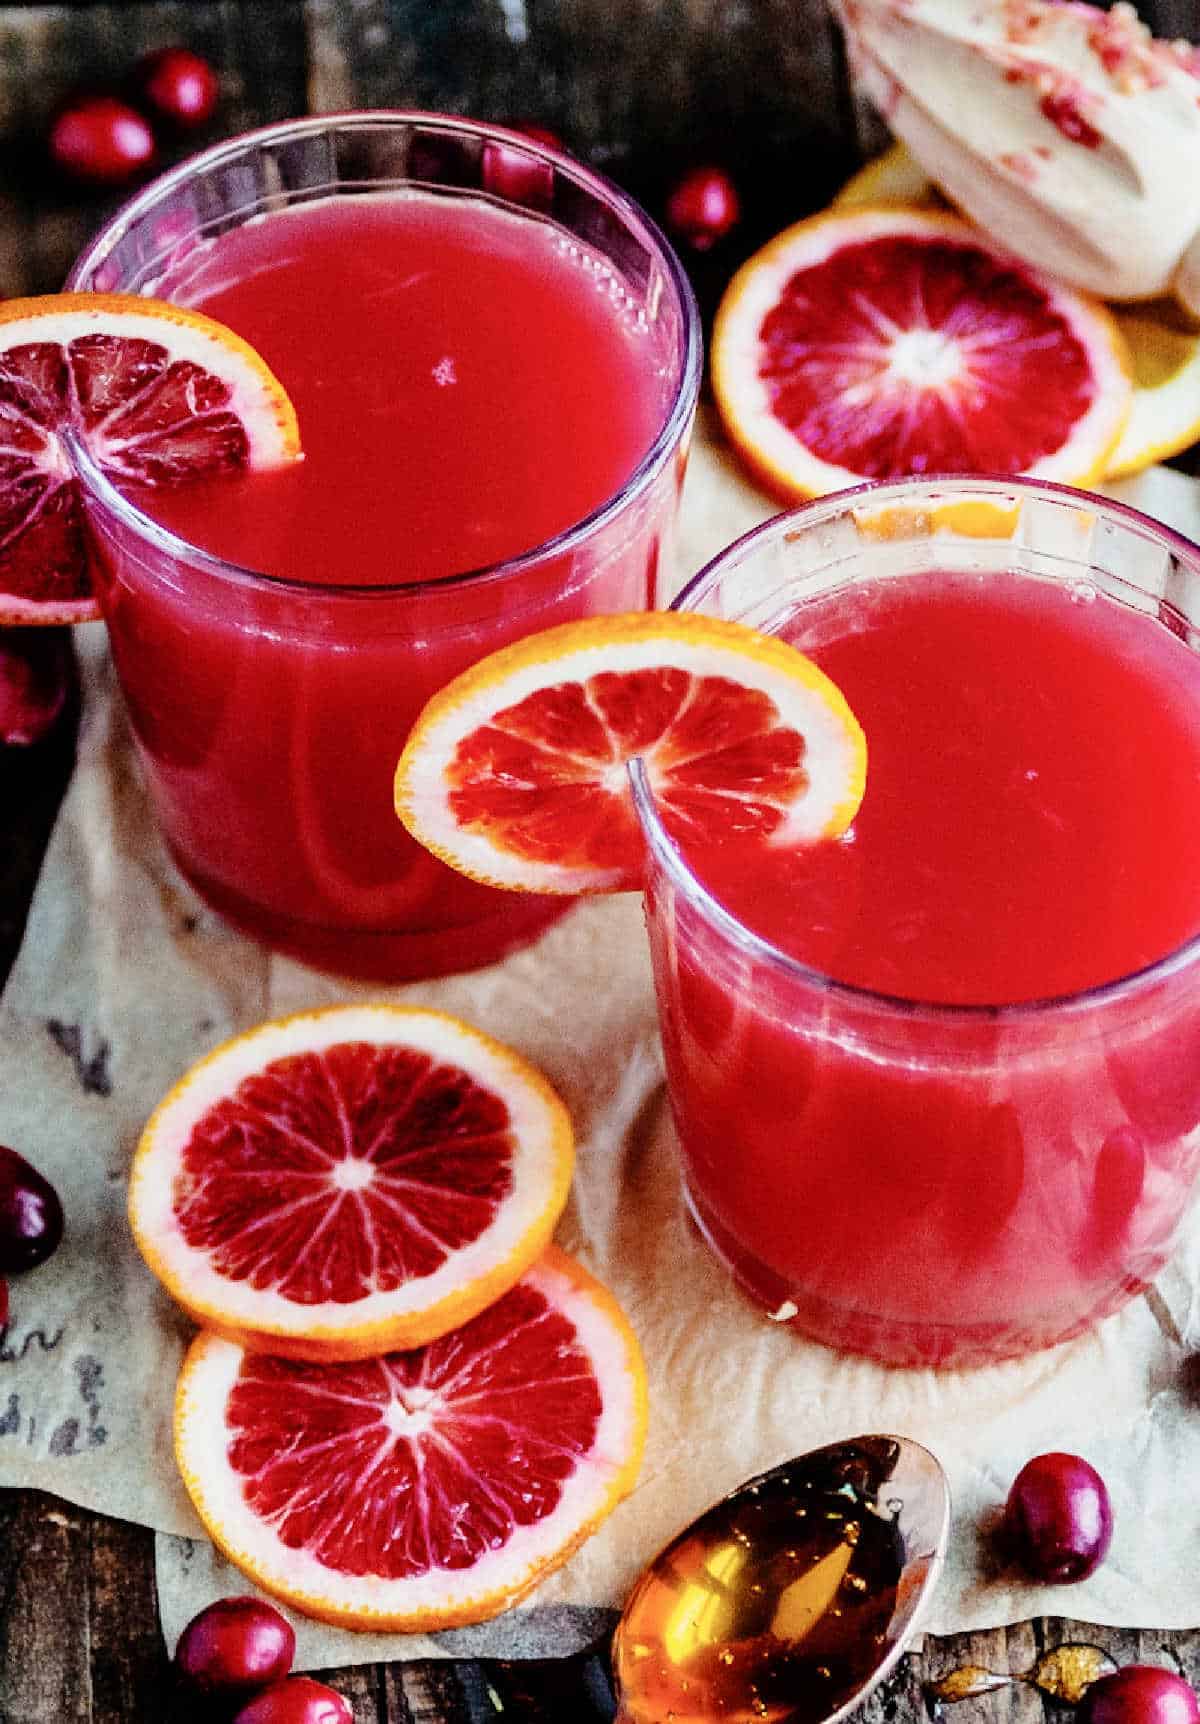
point(789, 1599)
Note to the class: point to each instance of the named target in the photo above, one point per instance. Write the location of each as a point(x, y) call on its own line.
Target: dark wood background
point(642, 89)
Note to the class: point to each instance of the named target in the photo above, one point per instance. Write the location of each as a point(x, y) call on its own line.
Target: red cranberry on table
point(235, 1646)
point(102, 141)
point(1058, 1518)
point(299, 1700)
point(703, 208)
point(178, 87)
point(1140, 1694)
point(31, 1216)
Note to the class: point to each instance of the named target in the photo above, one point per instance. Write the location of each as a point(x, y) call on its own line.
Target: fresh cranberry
point(235, 1646)
point(1058, 1518)
point(3, 1303)
point(517, 177)
point(179, 88)
point(31, 1216)
point(299, 1700)
point(102, 141)
point(37, 674)
point(703, 207)
point(1140, 1694)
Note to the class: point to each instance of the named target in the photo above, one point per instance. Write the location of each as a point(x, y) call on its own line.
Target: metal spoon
point(791, 1598)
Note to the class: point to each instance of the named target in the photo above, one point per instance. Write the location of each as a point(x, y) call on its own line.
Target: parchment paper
point(124, 979)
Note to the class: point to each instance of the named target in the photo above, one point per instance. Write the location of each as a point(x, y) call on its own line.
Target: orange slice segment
point(892, 177)
point(875, 343)
point(153, 392)
point(515, 773)
point(427, 1489)
point(345, 1181)
point(1165, 416)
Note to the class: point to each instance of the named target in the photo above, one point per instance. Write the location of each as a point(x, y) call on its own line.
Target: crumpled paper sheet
point(125, 978)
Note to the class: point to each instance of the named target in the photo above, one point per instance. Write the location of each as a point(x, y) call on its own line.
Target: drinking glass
point(928, 1184)
point(269, 713)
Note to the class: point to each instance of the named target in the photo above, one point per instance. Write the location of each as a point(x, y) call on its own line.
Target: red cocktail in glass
point(494, 361)
point(937, 1084)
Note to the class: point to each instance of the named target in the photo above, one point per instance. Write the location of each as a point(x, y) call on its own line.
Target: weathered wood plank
point(258, 47)
point(45, 1587)
point(639, 89)
point(128, 1673)
point(440, 1694)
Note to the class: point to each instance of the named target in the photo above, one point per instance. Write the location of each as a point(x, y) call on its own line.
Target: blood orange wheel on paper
point(517, 771)
point(878, 343)
point(154, 393)
point(423, 1489)
point(345, 1181)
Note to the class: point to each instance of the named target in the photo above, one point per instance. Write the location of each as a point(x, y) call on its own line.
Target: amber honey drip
point(1065, 1673)
point(773, 1611)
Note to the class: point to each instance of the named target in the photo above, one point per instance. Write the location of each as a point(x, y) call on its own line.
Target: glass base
point(918, 1346)
point(386, 956)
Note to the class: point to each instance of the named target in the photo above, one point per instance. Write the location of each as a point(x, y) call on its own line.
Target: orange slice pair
point(405, 1407)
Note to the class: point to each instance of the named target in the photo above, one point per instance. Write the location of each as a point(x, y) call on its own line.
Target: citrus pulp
point(877, 343)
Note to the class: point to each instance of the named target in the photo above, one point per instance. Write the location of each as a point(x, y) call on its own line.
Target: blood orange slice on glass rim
point(152, 392)
point(875, 343)
point(428, 1488)
point(516, 772)
point(341, 1182)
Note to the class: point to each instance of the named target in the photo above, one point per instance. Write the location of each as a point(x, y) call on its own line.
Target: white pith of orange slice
point(516, 772)
point(154, 392)
point(879, 342)
point(422, 1490)
point(345, 1181)
point(1163, 345)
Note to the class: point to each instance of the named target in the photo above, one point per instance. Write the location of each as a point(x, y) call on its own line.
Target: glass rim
point(670, 858)
point(629, 211)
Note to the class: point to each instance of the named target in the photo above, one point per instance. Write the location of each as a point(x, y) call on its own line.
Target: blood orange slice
point(153, 392)
point(876, 343)
point(1163, 345)
point(423, 1489)
point(515, 773)
point(345, 1181)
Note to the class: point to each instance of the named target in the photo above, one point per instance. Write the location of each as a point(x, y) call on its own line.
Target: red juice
point(950, 1186)
point(464, 390)
point(470, 382)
